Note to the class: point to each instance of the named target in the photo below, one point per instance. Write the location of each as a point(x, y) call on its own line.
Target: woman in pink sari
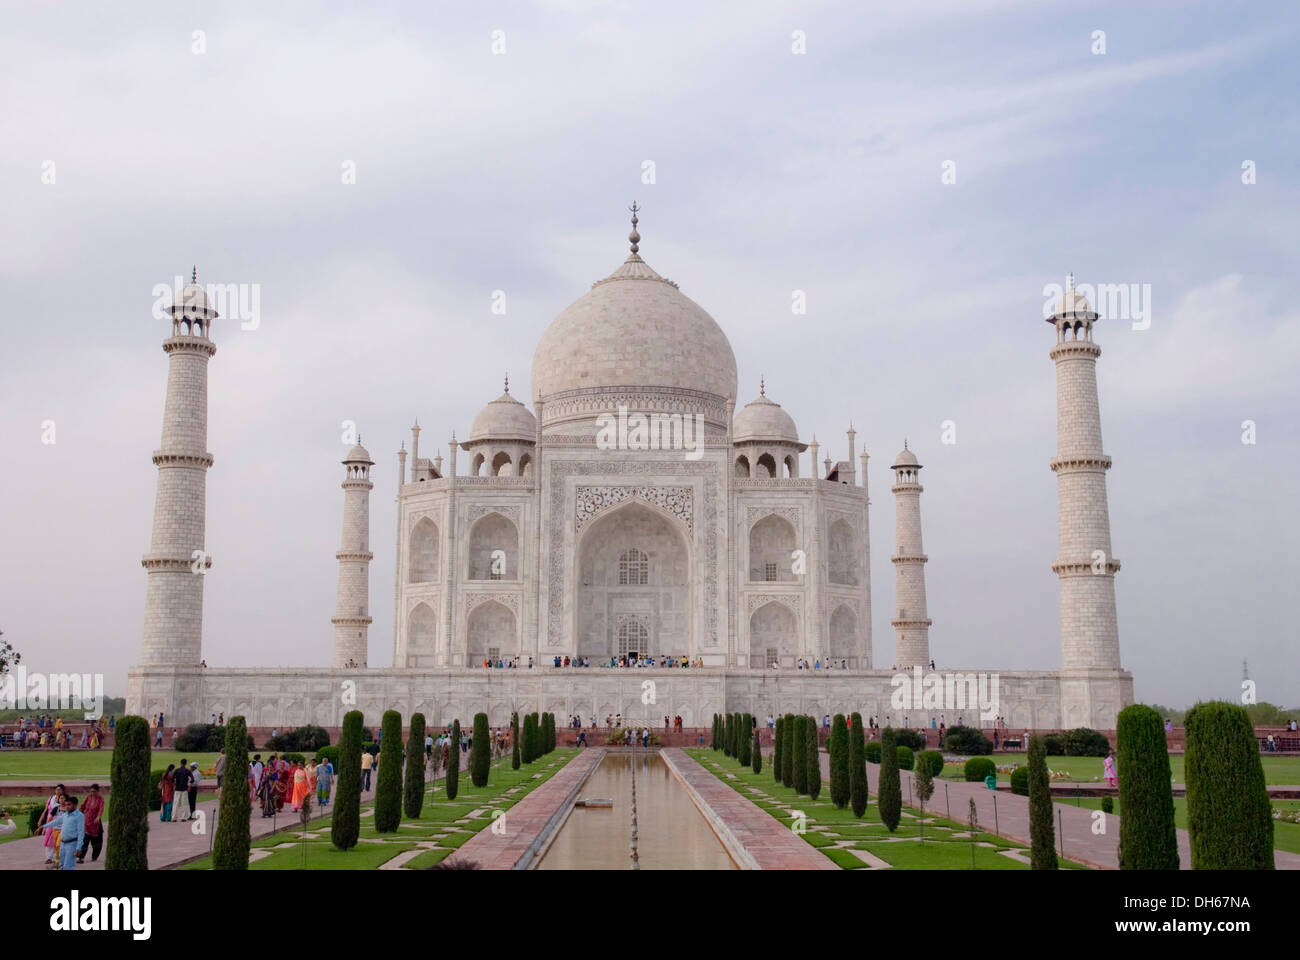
point(300, 786)
point(53, 806)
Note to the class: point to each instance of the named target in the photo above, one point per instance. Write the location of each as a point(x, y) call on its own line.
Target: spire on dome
point(507, 383)
point(634, 236)
point(762, 386)
point(194, 275)
point(1069, 281)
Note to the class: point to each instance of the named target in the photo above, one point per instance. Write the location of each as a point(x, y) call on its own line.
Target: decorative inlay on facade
point(755, 514)
point(476, 510)
point(591, 501)
point(510, 600)
point(431, 600)
point(416, 516)
point(707, 540)
point(792, 600)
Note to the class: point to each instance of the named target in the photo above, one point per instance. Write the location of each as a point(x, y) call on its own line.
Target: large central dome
point(633, 337)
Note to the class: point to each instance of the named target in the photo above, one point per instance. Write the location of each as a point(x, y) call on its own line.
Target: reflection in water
point(671, 833)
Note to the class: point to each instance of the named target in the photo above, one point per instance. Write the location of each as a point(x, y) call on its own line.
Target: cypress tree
point(453, 762)
point(128, 814)
point(388, 792)
point(480, 756)
point(413, 789)
point(777, 744)
point(756, 751)
point(231, 844)
point(530, 739)
point(713, 741)
point(1042, 830)
point(550, 732)
point(514, 740)
point(543, 734)
point(746, 739)
point(537, 736)
point(799, 767)
point(857, 767)
point(1229, 815)
point(787, 751)
point(726, 736)
point(1147, 835)
point(839, 750)
point(345, 826)
point(813, 756)
point(891, 788)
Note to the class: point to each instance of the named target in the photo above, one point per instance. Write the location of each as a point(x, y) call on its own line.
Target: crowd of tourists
point(51, 733)
point(70, 828)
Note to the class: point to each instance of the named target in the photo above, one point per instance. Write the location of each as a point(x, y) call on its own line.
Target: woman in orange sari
point(300, 786)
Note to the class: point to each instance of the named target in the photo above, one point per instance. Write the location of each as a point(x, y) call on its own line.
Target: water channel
point(671, 833)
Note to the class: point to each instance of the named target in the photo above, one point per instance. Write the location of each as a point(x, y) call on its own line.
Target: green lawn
point(1286, 836)
point(89, 765)
point(1279, 771)
point(445, 824)
point(904, 849)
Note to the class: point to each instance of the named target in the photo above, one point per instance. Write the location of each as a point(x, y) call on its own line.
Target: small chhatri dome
point(358, 454)
point(193, 300)
point(762, 420)
point(505, 418)
point(906, 458)
point(1072, 305)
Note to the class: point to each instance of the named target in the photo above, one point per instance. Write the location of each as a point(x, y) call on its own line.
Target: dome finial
point(194, 275)
point(634, 236)
point(762, 386)
point(905, 443)
point(1069, 281)
point(507, 383)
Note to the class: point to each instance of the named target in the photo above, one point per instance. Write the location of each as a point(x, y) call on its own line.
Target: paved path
point(1074, 824)
point(524, 823)
point(765, 842)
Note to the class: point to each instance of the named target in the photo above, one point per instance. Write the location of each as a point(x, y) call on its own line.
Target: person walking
point(50, 840)
point(181, 781)
point(92, 810)
point(367, 764)
point(194, 789)
point(71, 824)
point(167, 787)
point(1108, 767)
point(324, 778)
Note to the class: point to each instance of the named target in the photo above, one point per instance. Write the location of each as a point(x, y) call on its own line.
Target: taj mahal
point(637, 514)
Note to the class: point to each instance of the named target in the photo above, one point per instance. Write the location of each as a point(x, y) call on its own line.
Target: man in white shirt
point(8, 826)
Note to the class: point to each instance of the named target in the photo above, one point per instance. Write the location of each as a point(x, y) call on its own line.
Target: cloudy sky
point(136, 142)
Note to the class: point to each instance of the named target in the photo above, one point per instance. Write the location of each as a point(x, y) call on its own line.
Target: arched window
point(633, 568)
point(633, 637)
point(742, 466)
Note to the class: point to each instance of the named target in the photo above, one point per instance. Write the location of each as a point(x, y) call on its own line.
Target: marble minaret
point(352, 614)
point(912, 625)
point(177, 560)
point(1084, 566)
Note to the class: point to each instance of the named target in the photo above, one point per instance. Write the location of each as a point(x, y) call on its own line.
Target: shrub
point(787, 752)
point(1086, 742)
point(839, 750)
point(231, 844)
point(799, 755)
point(977, 768)
point(206, 738)
point(778, 745)
point(746, 740)
point(1107, 803)
point(34, 818)
point(308, 739)
point(514, 740)
point(388, 792)
point(155, 788)
point(931, 760)
point(909, 738)
point(413, 788)
point(1042, 831)
point(128, 814)
point(480, 754)
point(906, 758)
point(891, 787)
point(857, 767)
point(1229, 815)
point(756, 751)
point(1054, 744)
point(328, 753)
point(1147, 836)
point(812, 756)
point(967, 741)
point(293, 758)
point(345, 826)
point(1020, 781)
point(452, 776)
point(873, 751)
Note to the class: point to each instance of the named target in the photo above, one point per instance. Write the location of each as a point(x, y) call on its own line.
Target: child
point(1109, 767)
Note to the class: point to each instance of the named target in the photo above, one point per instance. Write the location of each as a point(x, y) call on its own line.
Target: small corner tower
point(177, 559)
point(912, 625)
point(1084, 566)
point(352, 614)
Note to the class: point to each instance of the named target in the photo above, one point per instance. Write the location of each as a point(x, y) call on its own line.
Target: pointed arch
point(422, 553)
point(773, 635)
point(494, 549)
point(772, 540)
